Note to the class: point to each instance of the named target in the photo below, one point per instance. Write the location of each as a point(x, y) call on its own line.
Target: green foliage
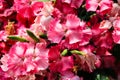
point(83, 14)
point(32, 35)
point(44, 36)
point(17, 38)
point(77, 52)
point(65, 51)
point(102, 77)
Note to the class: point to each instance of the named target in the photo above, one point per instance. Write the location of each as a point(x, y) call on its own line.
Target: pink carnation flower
point(116, 36)
point(54, 53)
point(86, 62)
point(25, 16)
point(42, 22)
point(103, 40)
point(73, 3)
point(3, 77)
point(3, 35)
point(116, 24)
point(68, 75)
point(104, 5)
point(25, 58)
point(64, 6)
point(36, 7)
point(56, 31)
point(72, 21)
point(115, 11)
point(76, 30)
point(19, 4)
point(116, 32)
point(66, 63)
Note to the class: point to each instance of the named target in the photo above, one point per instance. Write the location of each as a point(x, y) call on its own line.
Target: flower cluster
point(59, 39)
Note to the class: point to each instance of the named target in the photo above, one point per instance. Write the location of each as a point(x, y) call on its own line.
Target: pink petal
point(30, 50)
point(36, 7)
point(91, 5)
point(30, 67)
point(76, 3)
point(18, 49)
point(67, 1)
point(55, 31)
point(67, 63)
point(82, 36)
point(42, 56)
point(116, 36)
point(72, 22)
point(68, 75)
point(105, 24)
point(41, 49)
point(54, 53)
point(105, 6)
point(116, 24)
point(74, 36)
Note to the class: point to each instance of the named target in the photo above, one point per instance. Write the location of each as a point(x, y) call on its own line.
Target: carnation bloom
point(73, 3)
point(56, 31)
point(72, 21)
point(81, 36)
point(4, 5)
point(25, 16)
point(68, 75)
point(76, 30)
point(104, 5)
point(56, 13)
point(105, 25)
point(116, 32)
point(27, 77)
point(64, 7)
point(115, 11)
point(42, 22)
point(103, 40)
point(87, 61)
point(65, 44)
point(3, 77)
point(47, 9)
point(36, 7)
point(101, 28)
point(3, 35)
point(116, 36)
point(4, 48)
point(24, 59)
point(66, 63)
point(102, 34)
point(54, 53)
point(18, 4)
point(53, 39)
point(116, 24)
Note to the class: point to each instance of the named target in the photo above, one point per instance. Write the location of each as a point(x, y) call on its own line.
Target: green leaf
point(17, 38)
point(44, 36)
point(102, 77)
point(77, 52)
point(32, 35)
point(83, 14)
point(65, 51)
